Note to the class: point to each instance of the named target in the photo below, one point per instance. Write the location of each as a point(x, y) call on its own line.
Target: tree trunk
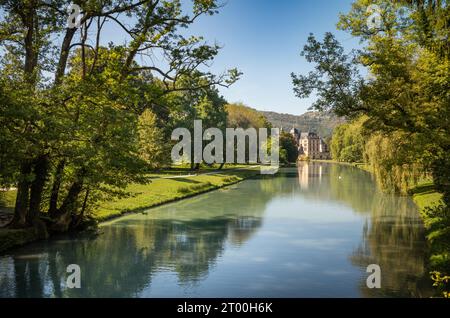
point(37, 188)
point(79, 217)
point(64, 55)
point(23, 197)
point(55, 188)
point(28, 14)
point(31, 54)
point(63, 218)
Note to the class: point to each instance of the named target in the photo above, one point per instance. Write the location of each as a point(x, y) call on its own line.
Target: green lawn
point(437, 223)
point(7, 199)
point(186, 169)
point(424, 195)
point(164, 187)
point(159, 191)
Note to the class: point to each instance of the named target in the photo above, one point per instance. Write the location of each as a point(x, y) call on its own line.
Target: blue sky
point(263, 39)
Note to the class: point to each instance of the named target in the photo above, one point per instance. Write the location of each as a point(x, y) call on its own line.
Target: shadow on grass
point(185, 180)
point(423, 189)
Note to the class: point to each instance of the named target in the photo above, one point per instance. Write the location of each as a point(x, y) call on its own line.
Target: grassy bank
point(436, 219)
point(424, 195)
point(165, 190)
point(10, 238)
point(164, 187)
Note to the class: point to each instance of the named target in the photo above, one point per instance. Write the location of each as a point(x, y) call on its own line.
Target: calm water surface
point(309, 232)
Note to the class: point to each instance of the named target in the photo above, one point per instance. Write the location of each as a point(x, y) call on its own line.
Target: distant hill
point(321, 123)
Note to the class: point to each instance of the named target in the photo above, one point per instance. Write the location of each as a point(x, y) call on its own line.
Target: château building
point(310, 145)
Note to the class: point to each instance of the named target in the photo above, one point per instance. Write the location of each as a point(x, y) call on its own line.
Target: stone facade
point(310, 145)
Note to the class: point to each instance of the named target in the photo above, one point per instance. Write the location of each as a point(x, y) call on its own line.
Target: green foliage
point(441, 282)
point(406, 97)
point(441, 175)
point(79, 120)
point(348, 141)
point(437, 222)
point(431, 25)
point(321, 122)
point(425, 195)
point(288, 148)
point(283, 156)
point(241, 116)
point(153, 145)
point(335, 79)
point(392, 159)
point(203, 103)
point(436, 218)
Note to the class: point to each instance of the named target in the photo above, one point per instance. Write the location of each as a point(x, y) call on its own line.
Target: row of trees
point(81, 118)
point(391, 156)
point(400, 109)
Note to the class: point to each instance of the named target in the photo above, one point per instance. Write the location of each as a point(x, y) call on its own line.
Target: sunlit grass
point(159, 191)
point(7, 198)
point(425, 195)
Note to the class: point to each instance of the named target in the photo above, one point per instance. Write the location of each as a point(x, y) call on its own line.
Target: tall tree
point(73, 108)
point(407, 86)
point(405, 97)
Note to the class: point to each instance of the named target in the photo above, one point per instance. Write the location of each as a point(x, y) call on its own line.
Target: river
point(310, 231)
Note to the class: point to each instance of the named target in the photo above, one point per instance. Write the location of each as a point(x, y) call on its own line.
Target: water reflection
point(392, 236)
point(311, 231)
point(130, 251)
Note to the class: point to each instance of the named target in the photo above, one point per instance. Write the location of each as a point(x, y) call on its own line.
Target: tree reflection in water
point(187, 244)
point(393, 235)
point(186, 240)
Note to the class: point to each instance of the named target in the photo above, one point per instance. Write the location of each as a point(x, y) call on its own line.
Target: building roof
point(309, 134)
point(304, 134)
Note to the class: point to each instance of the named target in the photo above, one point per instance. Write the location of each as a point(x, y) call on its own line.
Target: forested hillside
point(322, 123)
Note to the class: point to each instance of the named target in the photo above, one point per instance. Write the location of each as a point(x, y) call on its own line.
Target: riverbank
point(226, 240)
point(436, 219)
point(169, 189)
point(436, 222)
point(164, 187)
point(360, 165)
